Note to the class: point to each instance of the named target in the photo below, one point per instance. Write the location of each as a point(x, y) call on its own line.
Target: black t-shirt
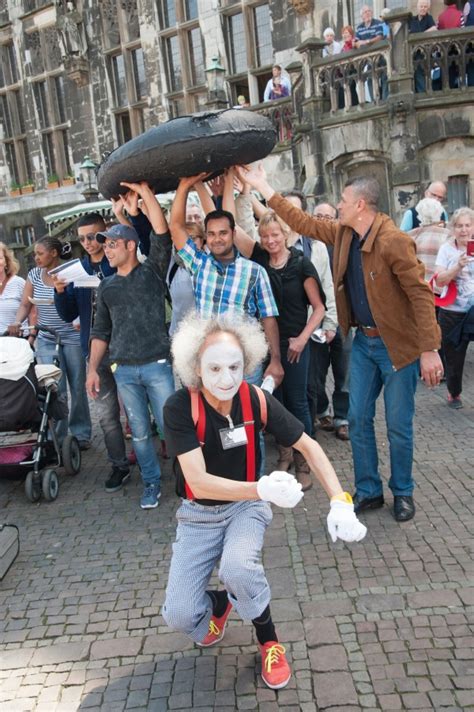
point(288, 289)
point(180, 435)
point(422, 25)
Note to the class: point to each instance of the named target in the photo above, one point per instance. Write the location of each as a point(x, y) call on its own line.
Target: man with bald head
point(436, 190)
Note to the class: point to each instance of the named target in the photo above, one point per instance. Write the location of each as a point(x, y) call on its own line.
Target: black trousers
point(454, 357)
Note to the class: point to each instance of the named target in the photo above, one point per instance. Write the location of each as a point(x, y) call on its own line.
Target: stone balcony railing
point(423, 64)
point(443, 61)
point(280, 113)
point(353, 78)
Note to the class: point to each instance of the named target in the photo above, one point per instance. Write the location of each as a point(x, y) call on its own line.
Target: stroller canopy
point(16, 356)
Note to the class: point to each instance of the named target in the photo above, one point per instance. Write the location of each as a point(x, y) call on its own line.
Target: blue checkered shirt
point(241, 285)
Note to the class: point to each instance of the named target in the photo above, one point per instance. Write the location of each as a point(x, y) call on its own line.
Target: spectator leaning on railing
point(368, 33)
point(451, 18)
point(421, 22)
point(332, 47)
point(276, 74)
point(348, 38)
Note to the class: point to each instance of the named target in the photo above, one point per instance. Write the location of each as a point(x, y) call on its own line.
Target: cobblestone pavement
point(380, 625)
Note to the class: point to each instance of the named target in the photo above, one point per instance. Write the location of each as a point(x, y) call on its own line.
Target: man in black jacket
point(73, 302)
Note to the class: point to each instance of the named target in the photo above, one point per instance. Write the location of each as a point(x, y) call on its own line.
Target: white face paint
point(222, 369)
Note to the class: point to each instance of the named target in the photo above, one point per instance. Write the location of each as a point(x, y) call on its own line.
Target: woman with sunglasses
point(39, 290)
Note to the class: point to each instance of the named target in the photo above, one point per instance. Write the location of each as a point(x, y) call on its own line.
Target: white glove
point(285, 492)
point(343, 523)
point(281, 476)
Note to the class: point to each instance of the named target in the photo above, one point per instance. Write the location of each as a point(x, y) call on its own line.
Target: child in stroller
point(28, 408)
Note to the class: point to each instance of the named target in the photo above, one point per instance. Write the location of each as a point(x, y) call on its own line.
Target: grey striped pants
point(234, 534)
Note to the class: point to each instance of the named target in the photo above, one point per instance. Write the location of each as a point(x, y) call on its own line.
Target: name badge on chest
point(233, 437)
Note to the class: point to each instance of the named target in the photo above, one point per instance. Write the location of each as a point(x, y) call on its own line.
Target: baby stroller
point(29, 403)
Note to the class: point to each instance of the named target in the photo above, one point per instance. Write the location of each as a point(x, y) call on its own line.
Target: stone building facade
point(79, 78)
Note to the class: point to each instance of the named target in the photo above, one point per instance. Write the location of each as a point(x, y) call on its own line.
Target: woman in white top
point(454, 264)
point(39, 289)
point(11, 288)
point(332, 47)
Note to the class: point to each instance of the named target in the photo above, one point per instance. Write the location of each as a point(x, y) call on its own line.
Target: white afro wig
point(193, 331)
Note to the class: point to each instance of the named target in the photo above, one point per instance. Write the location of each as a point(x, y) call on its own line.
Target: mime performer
point(212, 426)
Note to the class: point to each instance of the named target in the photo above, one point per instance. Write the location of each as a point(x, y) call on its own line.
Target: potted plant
point(28, 187)
point(15, 189)
point(53, 181)
point(68, 180)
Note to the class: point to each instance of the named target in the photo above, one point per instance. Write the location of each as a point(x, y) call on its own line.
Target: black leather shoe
point(403, 508)
point(368, 503)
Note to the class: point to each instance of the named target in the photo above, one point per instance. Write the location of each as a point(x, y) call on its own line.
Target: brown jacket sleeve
point(301, 222)
point(400, 254)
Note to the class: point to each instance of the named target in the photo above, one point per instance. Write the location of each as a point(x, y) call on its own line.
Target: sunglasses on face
point(89, 237)
point(112, 244)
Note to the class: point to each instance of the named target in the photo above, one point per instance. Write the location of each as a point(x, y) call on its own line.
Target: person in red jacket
point(451, 18)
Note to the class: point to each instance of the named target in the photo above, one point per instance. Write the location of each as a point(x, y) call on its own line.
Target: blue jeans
point(108, 410)
point(73, 365)
point(371, 369)
point(293, 392)
point(138, 385)
point(336, 354)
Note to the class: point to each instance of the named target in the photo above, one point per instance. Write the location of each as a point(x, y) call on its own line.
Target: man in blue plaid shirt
point(223, 279)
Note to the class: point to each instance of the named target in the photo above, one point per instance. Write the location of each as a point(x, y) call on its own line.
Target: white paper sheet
point(73, 271)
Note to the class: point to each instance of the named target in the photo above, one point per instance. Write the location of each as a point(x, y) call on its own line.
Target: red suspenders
point(199, 419)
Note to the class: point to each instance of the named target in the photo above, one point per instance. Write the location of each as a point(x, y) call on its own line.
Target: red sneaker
point(216, 629)
point(276, 672)
point(132, 458)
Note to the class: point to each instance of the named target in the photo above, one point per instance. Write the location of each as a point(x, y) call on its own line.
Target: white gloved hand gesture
point(281, 476)
point(280, 488)
point(343, 523)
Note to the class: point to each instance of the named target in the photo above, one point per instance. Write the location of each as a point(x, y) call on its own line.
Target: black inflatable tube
point(186, 146)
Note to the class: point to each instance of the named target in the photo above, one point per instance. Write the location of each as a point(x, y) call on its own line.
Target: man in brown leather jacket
point(380, 289)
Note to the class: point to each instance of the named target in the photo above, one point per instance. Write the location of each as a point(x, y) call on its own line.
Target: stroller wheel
point(71, 455)
point(50, 485)
point(32, 490)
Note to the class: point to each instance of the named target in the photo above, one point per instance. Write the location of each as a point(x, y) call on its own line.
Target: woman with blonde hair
point(11, 287)
point(296, 287)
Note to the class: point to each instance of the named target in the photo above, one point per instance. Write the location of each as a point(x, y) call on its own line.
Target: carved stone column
point(402, 124)
point(310, 148)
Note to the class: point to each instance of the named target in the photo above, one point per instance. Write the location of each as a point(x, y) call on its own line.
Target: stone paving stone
point(321, 631)
point(390, 613)
point(334, 688)
point(115, 648)
point(428, 599)
point(328, 657)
